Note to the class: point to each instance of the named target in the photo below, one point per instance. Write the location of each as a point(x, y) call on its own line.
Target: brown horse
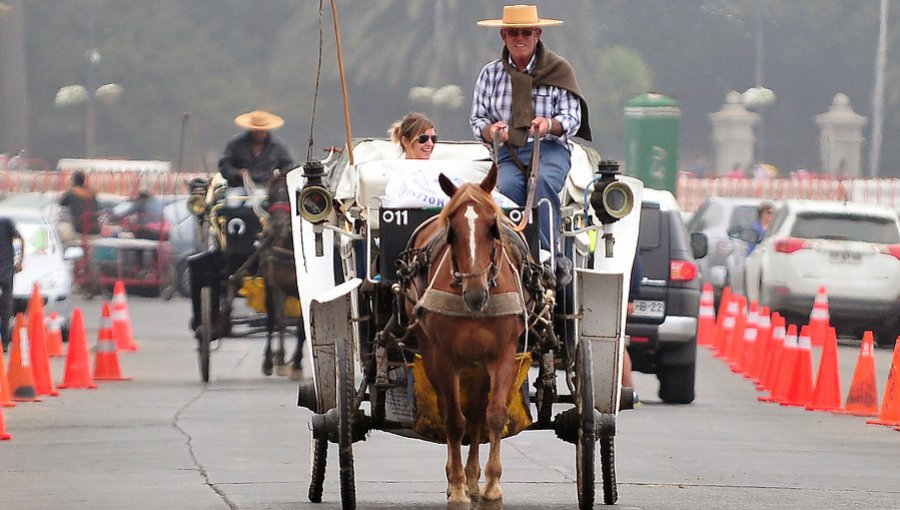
point(467, 308)
point(276, 266)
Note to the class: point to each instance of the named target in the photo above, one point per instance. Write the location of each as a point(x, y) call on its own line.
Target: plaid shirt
point(492, 102)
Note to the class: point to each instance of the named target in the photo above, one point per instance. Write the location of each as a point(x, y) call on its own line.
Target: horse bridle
point(492, 269)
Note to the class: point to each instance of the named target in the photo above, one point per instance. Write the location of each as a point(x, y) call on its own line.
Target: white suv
point(852, 249)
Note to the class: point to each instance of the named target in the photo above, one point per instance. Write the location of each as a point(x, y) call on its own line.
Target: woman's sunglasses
point(424, 138)
point(516, 32)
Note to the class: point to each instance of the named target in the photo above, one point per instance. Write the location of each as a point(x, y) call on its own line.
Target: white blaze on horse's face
point(471, 216)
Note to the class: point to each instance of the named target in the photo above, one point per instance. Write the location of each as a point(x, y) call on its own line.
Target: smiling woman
point(416, 135)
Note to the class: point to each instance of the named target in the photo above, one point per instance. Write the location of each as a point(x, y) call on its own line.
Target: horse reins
point(531, 171)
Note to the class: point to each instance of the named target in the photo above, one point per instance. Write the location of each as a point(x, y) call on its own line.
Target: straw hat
point(259, 120)
point(520, 16)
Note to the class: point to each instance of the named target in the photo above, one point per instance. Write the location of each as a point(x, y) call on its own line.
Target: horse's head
point(471, 218)
point(278, 205)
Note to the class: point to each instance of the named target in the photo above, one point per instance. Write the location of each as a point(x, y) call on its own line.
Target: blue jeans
point(554, 166)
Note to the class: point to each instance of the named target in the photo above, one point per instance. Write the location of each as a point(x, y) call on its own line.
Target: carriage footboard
point(600, 305)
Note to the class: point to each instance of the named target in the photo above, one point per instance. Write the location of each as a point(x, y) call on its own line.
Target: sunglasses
point(424, 138)
point(516, 32)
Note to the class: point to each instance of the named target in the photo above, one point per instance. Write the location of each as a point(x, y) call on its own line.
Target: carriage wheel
point(584, 447)
point(346, 412)
point(318, 452)
point(608, 468)
point(206, 329)
point(167, 283)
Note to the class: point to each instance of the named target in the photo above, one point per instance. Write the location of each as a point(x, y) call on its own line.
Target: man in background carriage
point(256, 153)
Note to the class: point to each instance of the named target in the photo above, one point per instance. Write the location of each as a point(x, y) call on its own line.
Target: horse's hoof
point(492, 493)
point(267, 367)
point(297, 374)
point(284, 370)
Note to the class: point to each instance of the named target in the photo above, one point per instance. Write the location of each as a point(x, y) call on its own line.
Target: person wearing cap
point(764, 214)
point(529, 88)
point(255, 152)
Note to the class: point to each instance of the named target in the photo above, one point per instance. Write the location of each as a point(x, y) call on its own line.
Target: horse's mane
point(466, 193)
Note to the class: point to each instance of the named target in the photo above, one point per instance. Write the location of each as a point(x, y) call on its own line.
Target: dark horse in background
point(276, 266)
point(468, 306)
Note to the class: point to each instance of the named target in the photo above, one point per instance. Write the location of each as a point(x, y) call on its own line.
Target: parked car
point(46, 263)
point(182, 239)
point(662, 330)
point(852, 249)
point(724, 220)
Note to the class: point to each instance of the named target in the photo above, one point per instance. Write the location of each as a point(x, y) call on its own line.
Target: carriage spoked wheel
point(206, 331)
point(584, 446)
point(318, 451)
point(346, 401)
point(167, 283)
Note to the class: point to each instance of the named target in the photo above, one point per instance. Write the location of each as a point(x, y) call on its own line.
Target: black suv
point(662, 330)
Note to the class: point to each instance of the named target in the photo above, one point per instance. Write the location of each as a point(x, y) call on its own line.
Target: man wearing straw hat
point(529, 88)
point(255, 152)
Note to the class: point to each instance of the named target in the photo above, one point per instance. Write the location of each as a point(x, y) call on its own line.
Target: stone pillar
point(733, 134)
point(840, 138)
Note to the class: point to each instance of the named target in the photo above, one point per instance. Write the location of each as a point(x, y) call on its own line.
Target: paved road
point(164, 441)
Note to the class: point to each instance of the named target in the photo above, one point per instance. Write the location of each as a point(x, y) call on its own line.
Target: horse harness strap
point(449, 303)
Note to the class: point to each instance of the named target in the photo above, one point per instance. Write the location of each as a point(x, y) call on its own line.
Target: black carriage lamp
point(314, 201)
point(611, 198)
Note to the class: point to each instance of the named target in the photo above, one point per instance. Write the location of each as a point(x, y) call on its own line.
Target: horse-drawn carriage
point(376, 306)
point(243, 246)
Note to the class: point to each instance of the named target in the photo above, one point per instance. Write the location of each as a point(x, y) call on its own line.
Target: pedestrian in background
point(10, 264)
point(764, 214)
point(81, 203)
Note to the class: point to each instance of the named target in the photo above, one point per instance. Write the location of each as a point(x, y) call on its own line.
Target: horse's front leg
point(270, 330)
point(283, 369)
point(502, 377)
point(446, 384)
point(478, 387)
point(297, 358)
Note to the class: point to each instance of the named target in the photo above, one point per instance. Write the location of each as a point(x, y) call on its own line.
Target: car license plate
point(652, 309)
point(845, 257)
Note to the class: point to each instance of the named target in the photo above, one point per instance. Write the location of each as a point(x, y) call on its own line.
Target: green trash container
point(651, 140)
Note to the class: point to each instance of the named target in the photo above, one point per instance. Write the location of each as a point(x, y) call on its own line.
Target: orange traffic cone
point(5, 393)
point(763, 338)
point(77, 373)
point(801, 383)
point(121, 323)
point(43, 381)
point(862, 400)
point(819, 318)
point(773, 357)
point(21, 374)
point(106, 363)
point(736, 340)
point(706, 320)
point(890, 406)
point(3, 435)
point(54, 337)
point(748, 344)
point(826, 395)
point(785, 368)
point(724, 320)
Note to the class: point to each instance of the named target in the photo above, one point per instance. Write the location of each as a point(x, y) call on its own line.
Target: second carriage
point(352, 220)
point(225, 269)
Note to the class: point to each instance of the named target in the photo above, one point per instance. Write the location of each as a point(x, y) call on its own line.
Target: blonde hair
point(410, 126)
